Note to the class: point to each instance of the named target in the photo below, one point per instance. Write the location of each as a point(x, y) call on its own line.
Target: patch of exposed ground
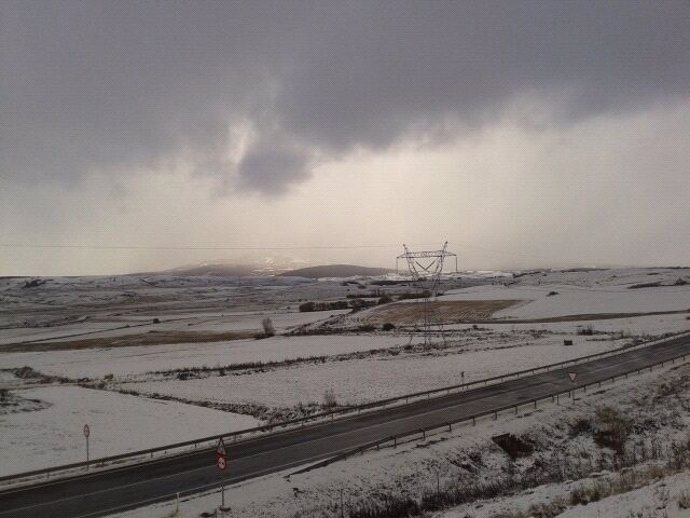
point(11, 403)
point(270, 415)
point(477, 311)
point(150, 338)
point(446, 312)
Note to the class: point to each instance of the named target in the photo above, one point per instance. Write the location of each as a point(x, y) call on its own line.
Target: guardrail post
point(516, 407)
point(450, 428)
point(423, 434)
point(474, 421)
point(395, 442)
point(535, 403)
point(496, 415)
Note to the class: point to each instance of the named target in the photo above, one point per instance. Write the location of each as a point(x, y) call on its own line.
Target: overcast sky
point(525, 133)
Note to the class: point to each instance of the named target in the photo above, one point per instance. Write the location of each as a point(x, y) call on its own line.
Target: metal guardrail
point(554, 397)
point(209, 441)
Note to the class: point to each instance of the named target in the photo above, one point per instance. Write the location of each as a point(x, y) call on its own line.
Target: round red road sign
point(221, 463)
point(87, 430)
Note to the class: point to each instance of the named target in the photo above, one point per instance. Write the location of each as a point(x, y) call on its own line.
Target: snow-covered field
point(218, 322)
point(364, 380)
point(572, 300)
point(119, 423)
point(650, 325)
point(124, 361)
point(466, 457)
point(52, 431)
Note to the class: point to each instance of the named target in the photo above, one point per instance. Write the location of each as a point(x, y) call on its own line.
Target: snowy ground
point(467, 457)
point(647, 325)
point(362, 380)
point(113, 326)
point(571, 300)
point(137, 360)
point(119, 423)
point(49, 430)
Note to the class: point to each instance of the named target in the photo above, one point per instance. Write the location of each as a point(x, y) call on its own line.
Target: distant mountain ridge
point(219, 270)
point(336, 270)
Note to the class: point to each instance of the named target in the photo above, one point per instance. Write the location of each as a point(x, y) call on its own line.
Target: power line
point(240, 248)
point(195, 247)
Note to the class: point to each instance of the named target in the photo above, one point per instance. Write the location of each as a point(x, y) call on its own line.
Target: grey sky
point(258, 100)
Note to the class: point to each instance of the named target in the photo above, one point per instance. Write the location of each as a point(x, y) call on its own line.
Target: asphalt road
point(101, 493)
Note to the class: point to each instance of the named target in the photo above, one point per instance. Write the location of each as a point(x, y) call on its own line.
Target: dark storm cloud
point(116, 85)
point(270, 167)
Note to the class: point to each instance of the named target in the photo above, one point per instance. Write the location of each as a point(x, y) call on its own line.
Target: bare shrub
point(582, 425)
point(329, 399)
point(585, 331)
point(388, 326)
point(611, 429)
point(267, 324)
point(587, 493)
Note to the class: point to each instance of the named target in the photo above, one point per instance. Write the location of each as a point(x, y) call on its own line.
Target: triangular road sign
point(220, 449)
point(572, 376)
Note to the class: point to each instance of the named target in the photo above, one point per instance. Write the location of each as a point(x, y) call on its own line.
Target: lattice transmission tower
point(426, 267)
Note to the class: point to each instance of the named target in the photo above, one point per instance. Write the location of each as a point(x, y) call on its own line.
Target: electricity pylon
point(426, 267)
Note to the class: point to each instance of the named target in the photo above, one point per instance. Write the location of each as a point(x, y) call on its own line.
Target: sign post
point(221, 462)
point(87, 432)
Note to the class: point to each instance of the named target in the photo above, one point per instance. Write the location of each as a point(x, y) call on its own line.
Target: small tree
point(267, 324)
point(329, 400)
point(306, 307)
point(388, 326)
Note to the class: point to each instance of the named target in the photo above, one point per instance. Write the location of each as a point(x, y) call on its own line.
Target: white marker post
point(87, 432)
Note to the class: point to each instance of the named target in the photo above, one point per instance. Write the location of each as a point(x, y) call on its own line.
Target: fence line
point(554, 397)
